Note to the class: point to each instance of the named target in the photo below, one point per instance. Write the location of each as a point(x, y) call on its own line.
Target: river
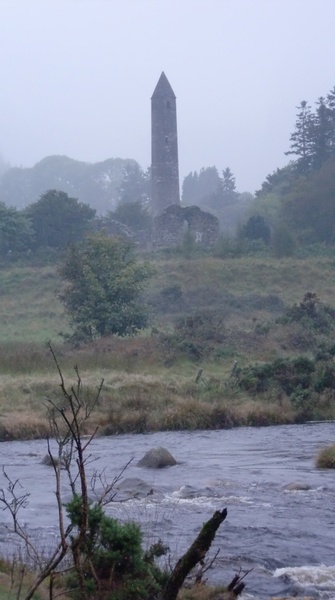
point(286, 537)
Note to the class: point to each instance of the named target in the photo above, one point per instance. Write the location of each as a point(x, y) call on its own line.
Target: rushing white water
point(286, 536)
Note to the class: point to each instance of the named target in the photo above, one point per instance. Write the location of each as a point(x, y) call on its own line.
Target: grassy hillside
point(208, 317)
point(239, 289)
point(29, 308)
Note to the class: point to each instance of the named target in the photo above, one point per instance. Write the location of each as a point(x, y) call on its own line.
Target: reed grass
point(15, 580)
point(205, 592)
point(326, 458)
point(135, 403)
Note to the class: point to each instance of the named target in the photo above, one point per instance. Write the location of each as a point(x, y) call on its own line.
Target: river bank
point(140, 403)
point(152, 398)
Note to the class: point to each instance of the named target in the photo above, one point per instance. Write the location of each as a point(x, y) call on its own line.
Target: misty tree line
point(207, 188)
point(57, 218)
point(298, 200)
point(313, 140)
point(295, 204)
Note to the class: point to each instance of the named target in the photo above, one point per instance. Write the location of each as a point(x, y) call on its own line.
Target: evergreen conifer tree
point(228, 186)
point(302, 138)
point(321, 134)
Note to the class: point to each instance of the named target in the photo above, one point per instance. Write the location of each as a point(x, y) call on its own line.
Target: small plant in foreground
point(326, 458)
point(112, 557)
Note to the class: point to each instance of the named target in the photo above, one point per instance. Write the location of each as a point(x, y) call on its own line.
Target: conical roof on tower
point(163, 88)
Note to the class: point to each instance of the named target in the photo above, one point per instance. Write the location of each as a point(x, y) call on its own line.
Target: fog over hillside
point(96, 184)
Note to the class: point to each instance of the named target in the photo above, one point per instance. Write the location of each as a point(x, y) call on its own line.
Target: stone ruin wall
point(169, 227)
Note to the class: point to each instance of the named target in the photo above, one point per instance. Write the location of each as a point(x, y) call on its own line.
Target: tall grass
point(326, 458)
point(150, 380)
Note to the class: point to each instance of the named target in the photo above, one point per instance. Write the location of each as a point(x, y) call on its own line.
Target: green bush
point(311, 313)
point(282, 375)
point(196, 336)
point(112, 557)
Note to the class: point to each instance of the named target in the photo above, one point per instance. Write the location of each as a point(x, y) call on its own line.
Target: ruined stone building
point(171, 219)
point(164, 147)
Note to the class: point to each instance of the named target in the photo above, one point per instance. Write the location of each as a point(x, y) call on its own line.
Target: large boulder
point(133, 487)
point(297, 486)
point(157, 458)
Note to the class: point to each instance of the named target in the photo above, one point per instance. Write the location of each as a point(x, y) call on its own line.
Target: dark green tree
point(279, 182)
point(309, 208)
point(331, 111)
point(256, 228)
point(103, 287)
point(302, 138)
point(321, 134)
point(16, 233)
point(59, 220)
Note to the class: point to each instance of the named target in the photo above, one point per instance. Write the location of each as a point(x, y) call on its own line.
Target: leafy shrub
point(311, 313)
point(325, 377)
point(195, 336)
point(282, 374)
point(112, 557)
point(256, 228)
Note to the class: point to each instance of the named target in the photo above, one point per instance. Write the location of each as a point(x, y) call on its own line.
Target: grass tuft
point(326, 458)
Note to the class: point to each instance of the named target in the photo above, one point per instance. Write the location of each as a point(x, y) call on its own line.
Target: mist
point(77, 77)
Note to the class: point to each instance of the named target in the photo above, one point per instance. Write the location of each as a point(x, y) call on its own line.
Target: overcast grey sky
point(77, 77)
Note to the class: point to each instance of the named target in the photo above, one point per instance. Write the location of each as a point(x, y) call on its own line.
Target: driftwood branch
point(236, 586)
point(196, 552)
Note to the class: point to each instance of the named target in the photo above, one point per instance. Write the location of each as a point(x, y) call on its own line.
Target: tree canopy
point(59, 220)
point(208, 189)
point(313, 140)
point(299, 198)
point(16, 233)
point(103, 285)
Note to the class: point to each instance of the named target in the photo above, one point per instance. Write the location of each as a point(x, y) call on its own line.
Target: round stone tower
point(164, 147)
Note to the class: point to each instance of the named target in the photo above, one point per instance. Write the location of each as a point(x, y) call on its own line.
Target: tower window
point(168, 105)
point(166, 139)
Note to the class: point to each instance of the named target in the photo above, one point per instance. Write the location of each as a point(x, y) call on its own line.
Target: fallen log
point(196, 553)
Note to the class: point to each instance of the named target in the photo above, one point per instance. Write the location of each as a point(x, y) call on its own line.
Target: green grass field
point(30, 310)
point(150, 380)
